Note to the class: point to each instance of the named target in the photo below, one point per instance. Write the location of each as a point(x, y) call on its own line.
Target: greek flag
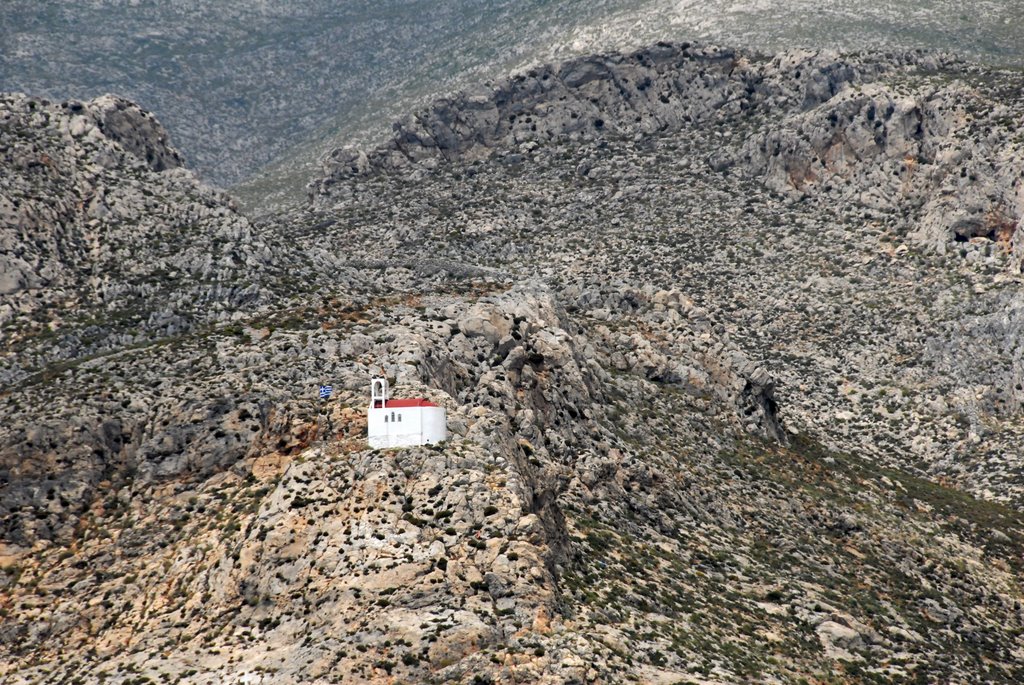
point(325, 391)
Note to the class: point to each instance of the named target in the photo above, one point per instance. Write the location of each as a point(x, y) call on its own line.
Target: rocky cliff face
point(666, 87)
point(945, 155)
point(716, 413)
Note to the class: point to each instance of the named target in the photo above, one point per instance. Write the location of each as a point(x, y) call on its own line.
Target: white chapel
point(402, 423)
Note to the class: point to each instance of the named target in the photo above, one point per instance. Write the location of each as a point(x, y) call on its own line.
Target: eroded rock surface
point(716, 414)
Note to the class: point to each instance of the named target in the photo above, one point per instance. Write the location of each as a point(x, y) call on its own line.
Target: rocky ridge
point(242, 85)
point(903, 135)
point(704, 428)
point(107, 241)
point(665, 87)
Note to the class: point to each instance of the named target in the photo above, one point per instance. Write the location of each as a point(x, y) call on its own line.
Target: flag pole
point(320, 412)
point(324, 393)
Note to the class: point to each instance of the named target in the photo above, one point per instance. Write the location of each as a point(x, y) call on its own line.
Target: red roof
point(398, 404)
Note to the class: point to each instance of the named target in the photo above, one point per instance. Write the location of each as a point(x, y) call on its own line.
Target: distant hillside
point(242, 83)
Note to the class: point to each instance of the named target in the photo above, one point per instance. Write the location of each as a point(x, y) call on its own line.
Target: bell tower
point(378, 392)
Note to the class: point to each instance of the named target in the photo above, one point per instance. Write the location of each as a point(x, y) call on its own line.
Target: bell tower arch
point(378, 392)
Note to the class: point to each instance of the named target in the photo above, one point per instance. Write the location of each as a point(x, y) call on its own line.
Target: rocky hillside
point(730, 349)
point(107, 240)
point(242, 83)
point(702, 164)
point(907, 136)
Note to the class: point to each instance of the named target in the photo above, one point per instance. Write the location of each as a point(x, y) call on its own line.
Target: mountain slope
point(912, 229)
point(100, 222)
point(716, 414)
point(242, 83)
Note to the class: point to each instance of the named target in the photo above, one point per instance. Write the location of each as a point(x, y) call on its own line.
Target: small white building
point(402, 423)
